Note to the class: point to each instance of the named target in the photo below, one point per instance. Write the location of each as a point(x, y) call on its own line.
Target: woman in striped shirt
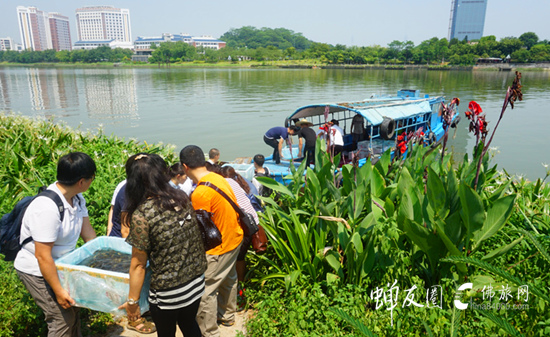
point(165, 233)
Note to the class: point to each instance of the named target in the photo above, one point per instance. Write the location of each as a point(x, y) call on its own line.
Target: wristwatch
point(131, 301)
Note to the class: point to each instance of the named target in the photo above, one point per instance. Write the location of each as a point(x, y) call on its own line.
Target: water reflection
point(110, 95)
point(231, 109)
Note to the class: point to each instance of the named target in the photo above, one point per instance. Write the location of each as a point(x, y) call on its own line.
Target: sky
point(347, 22)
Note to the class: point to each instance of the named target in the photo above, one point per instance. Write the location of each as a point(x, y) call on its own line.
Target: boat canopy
point(371, 111)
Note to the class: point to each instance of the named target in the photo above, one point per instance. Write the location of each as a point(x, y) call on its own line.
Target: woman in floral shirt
point(163, 231)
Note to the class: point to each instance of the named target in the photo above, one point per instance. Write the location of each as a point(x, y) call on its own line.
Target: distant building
point(6, 43)
point(95, 44)
point(467, 19)
point(60, 31)
point(34, 28)
point(208, 42)
point(41, 30)
point(98, 24)
point(142, 45)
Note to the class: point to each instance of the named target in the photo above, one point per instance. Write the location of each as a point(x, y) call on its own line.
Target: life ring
point(455, 122)
point(387, 128)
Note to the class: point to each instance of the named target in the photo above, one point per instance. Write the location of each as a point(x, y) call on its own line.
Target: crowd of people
point(154, 210)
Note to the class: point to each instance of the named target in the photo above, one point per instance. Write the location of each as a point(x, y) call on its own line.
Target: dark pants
point(166, 320)
point(274, 143)
point(309, 153)
point(338, 149)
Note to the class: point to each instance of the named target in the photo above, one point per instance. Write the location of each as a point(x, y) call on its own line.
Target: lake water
point(231, 109)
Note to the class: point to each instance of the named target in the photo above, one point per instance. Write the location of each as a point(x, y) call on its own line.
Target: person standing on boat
point(357, 128)
point(310, 137)
point(337, 137)
point(275, 137)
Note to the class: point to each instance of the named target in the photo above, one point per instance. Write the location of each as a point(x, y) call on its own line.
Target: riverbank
point(297, 64)
point(298, 287)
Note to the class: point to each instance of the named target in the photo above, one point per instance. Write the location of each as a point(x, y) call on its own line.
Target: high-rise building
point(34, 28)
point(467, 19)
point(41, 30)
point(61, 34)
point(100, 23)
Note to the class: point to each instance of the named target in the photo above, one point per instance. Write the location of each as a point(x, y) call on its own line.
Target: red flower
point(455, 100)
point(475, 108)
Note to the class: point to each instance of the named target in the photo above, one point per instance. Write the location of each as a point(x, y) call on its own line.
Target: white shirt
point(117, 189)
point(242, 199)
point(337, 135)
point(187, 186)
point(41, 221)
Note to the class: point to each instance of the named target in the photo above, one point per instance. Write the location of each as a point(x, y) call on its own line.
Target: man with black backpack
point(53, 236)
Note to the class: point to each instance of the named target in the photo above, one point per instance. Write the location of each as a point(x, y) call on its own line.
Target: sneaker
point(225, 323)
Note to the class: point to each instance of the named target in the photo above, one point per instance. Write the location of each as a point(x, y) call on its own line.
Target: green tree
point(63, 56)
point(521, 56)
point(508, 45)
point(529, 39)
point(540, 52)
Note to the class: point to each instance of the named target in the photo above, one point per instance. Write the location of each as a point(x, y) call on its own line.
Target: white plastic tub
point(98, 289)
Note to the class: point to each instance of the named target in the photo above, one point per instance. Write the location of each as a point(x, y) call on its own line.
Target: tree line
point(100, 54)
point(267, 44)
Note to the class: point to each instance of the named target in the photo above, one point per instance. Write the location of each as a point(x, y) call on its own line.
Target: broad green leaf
point(356, 240)
point(270, 183)
point(333, 260)
point(426, 241)
point(377, 183)
point(383, 163)
point(453, 202)
point(436, 192)
point(449, 244)
point(453, 228)
point(332, 278)
point(389, 207)
point(497, 216)
point(473, 213)
point(406, 210)
point(501, 250)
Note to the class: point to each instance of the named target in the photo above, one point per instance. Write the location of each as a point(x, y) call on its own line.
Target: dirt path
point(121, 330)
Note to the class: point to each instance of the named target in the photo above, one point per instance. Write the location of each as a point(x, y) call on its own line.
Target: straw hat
point(304, 122)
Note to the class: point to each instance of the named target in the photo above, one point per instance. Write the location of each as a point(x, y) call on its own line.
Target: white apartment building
point(6, 43)
point(34, 28)
point(102, 23)
point(42, 30)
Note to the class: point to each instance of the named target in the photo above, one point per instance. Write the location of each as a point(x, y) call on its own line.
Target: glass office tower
point(467, 19)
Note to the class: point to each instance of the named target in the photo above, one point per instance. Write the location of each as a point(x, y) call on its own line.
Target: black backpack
point(10, 224)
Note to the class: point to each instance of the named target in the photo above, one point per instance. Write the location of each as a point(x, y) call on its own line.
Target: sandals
point(225, 323)
point(142, 326)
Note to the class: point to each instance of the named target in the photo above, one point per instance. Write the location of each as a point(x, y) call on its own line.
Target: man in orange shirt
point(219, 302)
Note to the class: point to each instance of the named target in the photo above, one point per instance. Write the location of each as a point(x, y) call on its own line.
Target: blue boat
point(384, 118)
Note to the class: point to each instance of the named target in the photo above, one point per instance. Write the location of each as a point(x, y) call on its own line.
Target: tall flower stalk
point(447, 114)
point(479, 126)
